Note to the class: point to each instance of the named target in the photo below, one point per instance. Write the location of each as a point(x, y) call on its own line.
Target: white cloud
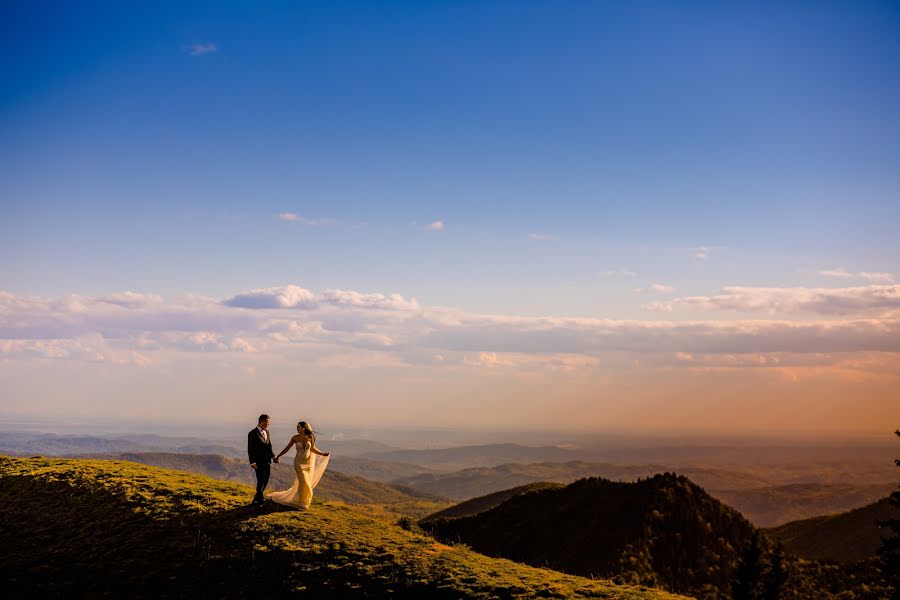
point(201, 49)
point(789, 300)
point(295, 218)
point(621, 272)
point(434, 226)
point(292, 296)
point(359, 300)
point(131, 299)
point(656, 288)
point(289, 296)
point(540, 237)
point(277, 320)
point(876, 277)
point(702, 252)
point(840, 273)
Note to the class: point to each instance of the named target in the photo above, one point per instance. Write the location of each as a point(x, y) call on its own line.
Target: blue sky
point(575, 153)
point(769, 130)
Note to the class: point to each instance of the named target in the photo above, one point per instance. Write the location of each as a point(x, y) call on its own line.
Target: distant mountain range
point(486, 455)
point(47, 444)
point(769, 493)
point(848, 536)
point(763, 504)
point(469, 483)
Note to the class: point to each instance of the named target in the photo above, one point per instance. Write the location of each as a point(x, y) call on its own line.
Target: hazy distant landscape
point(770, 484)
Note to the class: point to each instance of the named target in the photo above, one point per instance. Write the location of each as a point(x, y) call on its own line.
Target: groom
point(259, 449)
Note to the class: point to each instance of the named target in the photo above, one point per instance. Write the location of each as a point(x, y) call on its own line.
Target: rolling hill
point(483, 503)
point(595, 527)
point(772, 506)
point(375, 470)
point(663, 530)
point(75, 528)
point(849, 536)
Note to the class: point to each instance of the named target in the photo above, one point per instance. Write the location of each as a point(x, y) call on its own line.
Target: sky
point(612, 215)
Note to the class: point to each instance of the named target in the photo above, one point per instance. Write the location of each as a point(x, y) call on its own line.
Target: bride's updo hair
point(308, 430)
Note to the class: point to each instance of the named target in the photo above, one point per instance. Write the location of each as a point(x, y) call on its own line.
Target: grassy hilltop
point(73, 527)
point(337, 486)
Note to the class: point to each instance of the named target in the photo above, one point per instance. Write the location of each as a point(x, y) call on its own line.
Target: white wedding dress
point(309, 469)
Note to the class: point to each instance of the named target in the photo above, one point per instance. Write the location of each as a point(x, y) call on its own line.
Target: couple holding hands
point(308, 469)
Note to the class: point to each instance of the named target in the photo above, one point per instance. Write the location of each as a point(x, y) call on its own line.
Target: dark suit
point(260, 454)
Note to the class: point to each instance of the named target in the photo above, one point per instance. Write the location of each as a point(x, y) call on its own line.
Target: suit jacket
point(259, 451)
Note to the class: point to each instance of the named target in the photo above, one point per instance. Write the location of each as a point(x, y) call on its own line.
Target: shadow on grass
point(62, 541)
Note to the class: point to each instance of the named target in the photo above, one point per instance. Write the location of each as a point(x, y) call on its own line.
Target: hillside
point(771, 506)
point(483, 503)
point(848, 536)
point(375, 470)
point(74, 527)
point(663, 530)
point(335, 486)
point(596, 527)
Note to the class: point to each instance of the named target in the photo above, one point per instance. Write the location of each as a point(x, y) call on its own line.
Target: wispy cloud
point(702, 252)
point(295, 218)
point(201, 49)
point(540, 237)
point(656, 288)
point(434, 226)
point(621, 272)
point(791, 300)
point(840, 273)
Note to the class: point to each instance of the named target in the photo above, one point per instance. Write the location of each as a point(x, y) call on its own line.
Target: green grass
point(72, 527)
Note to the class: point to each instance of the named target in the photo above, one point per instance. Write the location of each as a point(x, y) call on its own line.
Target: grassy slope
point(335, 486)
point(87, 527)
point(848, 536)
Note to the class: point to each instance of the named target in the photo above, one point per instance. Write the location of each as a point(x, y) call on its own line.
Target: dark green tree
point(776, 575)
point(748, 577)
point(890, 546)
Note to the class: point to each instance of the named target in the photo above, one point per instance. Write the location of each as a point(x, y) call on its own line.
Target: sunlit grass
point(128, 524)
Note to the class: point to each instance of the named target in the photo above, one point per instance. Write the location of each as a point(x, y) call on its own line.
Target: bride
point(309, 470)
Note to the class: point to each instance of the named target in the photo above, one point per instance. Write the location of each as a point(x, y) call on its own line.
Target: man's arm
point(250, 449)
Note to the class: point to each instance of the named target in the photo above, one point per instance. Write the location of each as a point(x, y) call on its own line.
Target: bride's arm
point(286, 448)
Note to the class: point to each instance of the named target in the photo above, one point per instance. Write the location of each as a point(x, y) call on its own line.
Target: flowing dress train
point(309, 469)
